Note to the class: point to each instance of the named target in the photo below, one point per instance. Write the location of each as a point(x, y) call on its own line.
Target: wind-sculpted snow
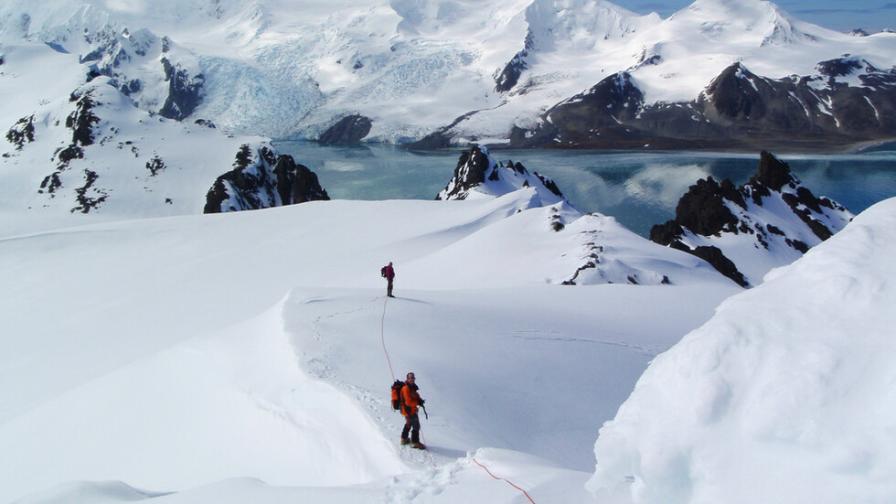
point(784, 396)
point(156, 369)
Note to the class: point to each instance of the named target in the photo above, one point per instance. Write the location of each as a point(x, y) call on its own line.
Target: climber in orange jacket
point(410, 401)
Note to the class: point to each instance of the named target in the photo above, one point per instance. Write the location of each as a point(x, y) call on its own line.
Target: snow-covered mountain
point(153, 352)
point(455, 71)
point(785, 395)
point(745, 232)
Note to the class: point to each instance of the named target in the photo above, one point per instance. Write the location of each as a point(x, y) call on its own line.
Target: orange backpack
point(396, 395)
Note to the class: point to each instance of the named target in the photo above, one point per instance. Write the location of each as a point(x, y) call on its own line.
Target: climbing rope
point(514, 485)
point(383, 338)
point(392, 372)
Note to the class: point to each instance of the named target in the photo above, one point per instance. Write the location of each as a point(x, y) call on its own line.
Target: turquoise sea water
point(638, 189)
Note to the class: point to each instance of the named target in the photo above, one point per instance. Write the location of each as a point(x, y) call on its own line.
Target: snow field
point(173, 354)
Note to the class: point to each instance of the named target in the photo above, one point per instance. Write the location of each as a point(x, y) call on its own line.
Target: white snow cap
point(786, 395)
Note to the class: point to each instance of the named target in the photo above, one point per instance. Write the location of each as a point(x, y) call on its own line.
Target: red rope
point(504, 480)
point(383, 338)
point(389, 361)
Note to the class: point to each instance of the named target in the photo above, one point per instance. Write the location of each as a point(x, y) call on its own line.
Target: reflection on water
point(638, 189)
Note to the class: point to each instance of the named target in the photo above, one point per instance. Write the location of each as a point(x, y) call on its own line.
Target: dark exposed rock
point(50, 183)
point(81, 121)
point(21, 132)
point(838, 67)
point(476, 169)
point(702, 209)
point(717, 259)
point(798, 245)
point(155, 165)
point(772, 174)
point(86, 203)
point(508, 78)
point(347, 131)
point(666, 233)
point(184, 91)
point(738, 109)
point(707, 209)
point(441, 138)
point(262, 179)
point(470, 172)
point(71, 152)
point(206, 123)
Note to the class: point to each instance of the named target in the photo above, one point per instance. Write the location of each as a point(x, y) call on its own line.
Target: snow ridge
point(795, 400)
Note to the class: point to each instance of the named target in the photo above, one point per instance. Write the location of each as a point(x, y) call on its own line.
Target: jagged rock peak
point(478, 174)
point(773, 216)
point(262, 179)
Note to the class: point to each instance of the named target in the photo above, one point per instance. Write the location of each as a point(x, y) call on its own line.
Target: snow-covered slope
point(786, 395)
point(469, 70)
point(93, 150)
point(595, 248)
point(174, 353)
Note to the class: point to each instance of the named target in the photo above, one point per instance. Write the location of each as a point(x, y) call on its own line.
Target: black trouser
point(389, 287)
point(412, 424)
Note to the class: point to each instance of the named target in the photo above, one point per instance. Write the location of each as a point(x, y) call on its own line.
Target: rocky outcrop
point(478, 172)
point(89, 196)
point(82, 122)
point(262, 179)
point(509, 76)
point(155, 165)
point(349, 130)
point(773, 216)
point(848, 100)
point(21, 132)
point(184, 91)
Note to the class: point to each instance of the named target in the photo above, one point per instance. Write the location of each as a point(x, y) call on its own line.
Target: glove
point(422, 402)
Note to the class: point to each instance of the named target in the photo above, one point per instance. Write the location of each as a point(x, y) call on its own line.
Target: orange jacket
point(411, 399)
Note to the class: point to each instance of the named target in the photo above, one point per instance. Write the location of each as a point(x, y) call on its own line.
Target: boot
point(405, 441)
point(418, 445)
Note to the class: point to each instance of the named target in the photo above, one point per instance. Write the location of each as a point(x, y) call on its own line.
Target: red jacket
point(388, 272)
